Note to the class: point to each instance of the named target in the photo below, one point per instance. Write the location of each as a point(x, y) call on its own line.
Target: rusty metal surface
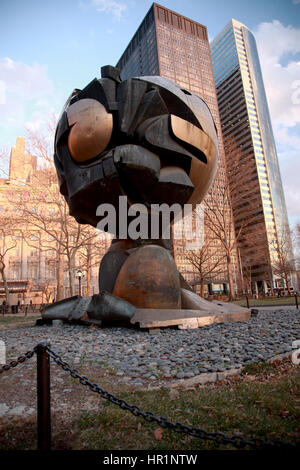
point(100, 308)
point(201, 172)
point(145, 138)
point(110, 309)
point(61, 310)
point(157, 125)
point(157, 318)
point(149, 279)
point(110, 266)
point(91, 129)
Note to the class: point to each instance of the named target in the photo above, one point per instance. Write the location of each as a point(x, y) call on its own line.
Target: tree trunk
point(71, 283)
point(230, 278)
point(250, 282)
point(202, 288)
point(88, 271)
point(71, 264)
point(5, 286)
point(60, 277)
point(271, 280)
point(88, 281)
point(287, 284)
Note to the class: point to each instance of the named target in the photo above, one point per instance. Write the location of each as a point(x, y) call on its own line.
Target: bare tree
point(297, 252)
point(282, 259)
point(252, 256)
point(208, 261)
point(219, 206)
point(5, 247)
point(4, 163)
point(46, 291)
point(219, 221)
point(43, 210)
point(90, 254)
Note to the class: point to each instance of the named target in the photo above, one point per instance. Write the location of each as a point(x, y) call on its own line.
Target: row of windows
point(218, 47)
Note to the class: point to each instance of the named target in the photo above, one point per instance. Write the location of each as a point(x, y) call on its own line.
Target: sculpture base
point(188, 319)
point(196, 312)
point(105, 308)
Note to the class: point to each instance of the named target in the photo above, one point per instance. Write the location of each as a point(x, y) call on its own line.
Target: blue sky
point(49, 47)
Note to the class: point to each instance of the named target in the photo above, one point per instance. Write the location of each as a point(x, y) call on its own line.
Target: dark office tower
point(250, 151)
point(177, 48)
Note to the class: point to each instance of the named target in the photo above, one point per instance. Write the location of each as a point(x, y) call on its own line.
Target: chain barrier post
point(43, 397)
point(296, 300)
point(237, 441)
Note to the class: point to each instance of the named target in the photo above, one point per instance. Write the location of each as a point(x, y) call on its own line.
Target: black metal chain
point(18, 361)
point(219, 437)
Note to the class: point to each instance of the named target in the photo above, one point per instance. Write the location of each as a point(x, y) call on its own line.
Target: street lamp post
point(79, 275)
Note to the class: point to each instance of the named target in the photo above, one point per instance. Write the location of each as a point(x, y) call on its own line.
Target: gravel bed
point(140, 356)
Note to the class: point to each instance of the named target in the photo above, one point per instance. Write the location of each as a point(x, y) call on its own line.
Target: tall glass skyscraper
point(177, 48)
point(258, 200)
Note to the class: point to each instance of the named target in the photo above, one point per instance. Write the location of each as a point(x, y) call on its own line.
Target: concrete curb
point(215, 376)
point(19, 324)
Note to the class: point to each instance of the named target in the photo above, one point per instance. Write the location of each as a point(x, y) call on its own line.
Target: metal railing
point(275, 301)
point(44, 352)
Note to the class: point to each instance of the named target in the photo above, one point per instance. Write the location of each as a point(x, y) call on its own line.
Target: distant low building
point(30, 268)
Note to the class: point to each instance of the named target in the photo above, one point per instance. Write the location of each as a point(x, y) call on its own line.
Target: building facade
point(257, 195)
point(27, 249)
point(177, 48)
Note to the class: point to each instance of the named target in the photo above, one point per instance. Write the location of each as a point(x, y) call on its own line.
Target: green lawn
point(6, 320)
point(264, 409)
point(268, 301)
point(262, 403)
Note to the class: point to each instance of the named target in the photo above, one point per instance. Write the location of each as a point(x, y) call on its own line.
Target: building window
point(32, 271)
point(34, 237)
point(15, 271)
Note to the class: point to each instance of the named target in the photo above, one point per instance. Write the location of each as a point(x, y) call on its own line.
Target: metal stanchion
point(296, 300)
point(43, 397)
point(247, 300)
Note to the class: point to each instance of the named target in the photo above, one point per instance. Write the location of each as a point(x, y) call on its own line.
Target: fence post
point(43, 397)
point(296, 299)
point(247, 300)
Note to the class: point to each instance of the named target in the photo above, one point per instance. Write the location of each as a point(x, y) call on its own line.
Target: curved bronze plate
point(91, 129)
point(194, 136)
point(201, 174)
point(149, 279)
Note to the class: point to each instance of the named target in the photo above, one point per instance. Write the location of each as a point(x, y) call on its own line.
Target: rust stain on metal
point(149, 278)
point(91, 129)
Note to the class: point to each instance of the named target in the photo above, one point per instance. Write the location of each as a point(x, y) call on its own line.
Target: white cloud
point(290, 170)
point(24, 86)
point(275, 43)
point(23, 79)
point(27, 96)
point(110, 6)
point(2, 92)
point(279, 48)
point(34, 126)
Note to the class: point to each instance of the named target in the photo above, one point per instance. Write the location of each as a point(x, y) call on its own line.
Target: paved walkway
point(281, 307)
point(21, 315)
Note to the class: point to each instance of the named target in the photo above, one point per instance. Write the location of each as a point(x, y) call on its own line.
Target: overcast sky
point(50, 47)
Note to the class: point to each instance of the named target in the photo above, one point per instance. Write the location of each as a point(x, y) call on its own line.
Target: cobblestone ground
point(141, 356)
point(139, 359)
